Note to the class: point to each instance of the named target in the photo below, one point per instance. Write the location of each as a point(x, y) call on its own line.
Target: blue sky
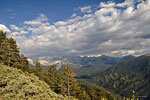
point(17, 11)
point(77, 27)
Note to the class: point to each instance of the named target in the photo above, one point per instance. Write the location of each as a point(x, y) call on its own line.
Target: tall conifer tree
point(9, 51)
point(53, 76)
point(38, 70)
point(68, 83)
point(2, 45)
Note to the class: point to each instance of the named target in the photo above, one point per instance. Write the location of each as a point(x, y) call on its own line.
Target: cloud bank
point(111, 29)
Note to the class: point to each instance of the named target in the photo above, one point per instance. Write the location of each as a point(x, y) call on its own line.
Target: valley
point(119, 75)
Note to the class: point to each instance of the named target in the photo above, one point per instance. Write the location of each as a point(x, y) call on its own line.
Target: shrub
point(17, 85)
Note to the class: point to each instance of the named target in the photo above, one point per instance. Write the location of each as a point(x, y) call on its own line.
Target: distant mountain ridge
point(126, 76)
point(84, 67)
point(46, 61)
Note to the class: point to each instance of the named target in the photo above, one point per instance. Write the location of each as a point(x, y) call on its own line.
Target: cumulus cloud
point(4, 28)
point(107, 5)
point(108, 30)
point(15, 28)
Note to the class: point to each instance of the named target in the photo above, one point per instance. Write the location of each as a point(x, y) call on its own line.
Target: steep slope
point(90, 69)
point(98, 91)
point(17, 85)
point(126, 76)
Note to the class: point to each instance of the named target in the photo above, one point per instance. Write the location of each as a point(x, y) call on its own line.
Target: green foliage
point(9, 53)
point(66, 84)
point(126, 76)
point(54, 78)
point(69, 85)
point(83, 95)
point(42, 74)
point(38, 70)
point(17, 85)
point(87, 70)
point(97, 93)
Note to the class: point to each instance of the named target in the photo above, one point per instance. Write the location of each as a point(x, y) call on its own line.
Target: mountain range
point(126, 76)
point(78, 60)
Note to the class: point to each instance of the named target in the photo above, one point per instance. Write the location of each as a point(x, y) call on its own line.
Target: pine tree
point(2, 43)
point(24, 62)
point(38, 67)
point(6, 55)
point(9, 52)
point(61, 83)
point(12, 52)
point(2, 38)
point(68, 83)
point(38, 70)
point(53, 76)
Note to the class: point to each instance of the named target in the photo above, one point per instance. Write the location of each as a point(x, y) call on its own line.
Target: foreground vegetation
point(17, 85)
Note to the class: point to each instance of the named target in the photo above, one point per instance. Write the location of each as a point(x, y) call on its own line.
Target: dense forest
point(64, 83)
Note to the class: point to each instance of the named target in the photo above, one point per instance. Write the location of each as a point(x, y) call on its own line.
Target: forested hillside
point(126, 76)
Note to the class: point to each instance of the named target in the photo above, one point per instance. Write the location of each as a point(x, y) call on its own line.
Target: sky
point(77, 27)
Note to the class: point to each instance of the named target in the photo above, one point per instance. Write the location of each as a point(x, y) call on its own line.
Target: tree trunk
point(68, 87)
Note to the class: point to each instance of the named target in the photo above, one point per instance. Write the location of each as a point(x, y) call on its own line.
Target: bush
point(17, 85)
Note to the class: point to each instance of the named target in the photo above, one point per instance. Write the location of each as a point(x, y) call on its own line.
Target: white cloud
point(73, 15)
point(33, 22)
point(109, 30)
point(38, 21)
point(24, 32)
point(86, 9)
point(4, 28)
point(15, 33)
point(107, 5)
point(60, 23)
point(15, 28)
point(127, 3)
